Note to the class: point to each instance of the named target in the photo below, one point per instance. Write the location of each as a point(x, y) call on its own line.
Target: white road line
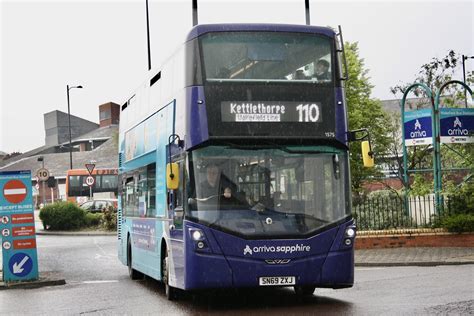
point(100, 281)
point(369, 269)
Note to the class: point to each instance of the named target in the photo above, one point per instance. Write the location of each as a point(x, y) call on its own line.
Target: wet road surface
point(97, 283)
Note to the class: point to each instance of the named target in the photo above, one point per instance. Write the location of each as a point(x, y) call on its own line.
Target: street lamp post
point(69, 119)
point(464, 58)
point(41, 159)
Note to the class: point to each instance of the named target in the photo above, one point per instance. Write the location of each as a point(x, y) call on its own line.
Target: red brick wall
point(419, 240)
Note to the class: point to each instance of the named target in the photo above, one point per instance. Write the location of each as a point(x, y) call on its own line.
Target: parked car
point(98, 205)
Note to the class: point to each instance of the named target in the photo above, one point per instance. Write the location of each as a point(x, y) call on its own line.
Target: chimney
point(109, 114)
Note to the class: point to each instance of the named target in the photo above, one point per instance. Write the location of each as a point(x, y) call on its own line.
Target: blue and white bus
point(233, 163)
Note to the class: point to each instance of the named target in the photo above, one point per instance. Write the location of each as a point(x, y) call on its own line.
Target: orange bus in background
point(105, 186)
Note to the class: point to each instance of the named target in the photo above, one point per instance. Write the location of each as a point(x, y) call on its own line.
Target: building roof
point(105, 156)
point(101, 133)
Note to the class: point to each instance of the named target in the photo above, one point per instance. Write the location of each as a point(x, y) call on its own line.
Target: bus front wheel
point(170, 292)
point(134, 274)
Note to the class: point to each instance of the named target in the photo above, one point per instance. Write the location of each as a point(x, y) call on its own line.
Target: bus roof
point(201, 29)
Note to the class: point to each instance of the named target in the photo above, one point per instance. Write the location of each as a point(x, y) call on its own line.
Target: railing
point(382, 213)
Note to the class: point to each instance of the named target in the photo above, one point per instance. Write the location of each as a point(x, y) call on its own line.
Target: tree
point(364, 112)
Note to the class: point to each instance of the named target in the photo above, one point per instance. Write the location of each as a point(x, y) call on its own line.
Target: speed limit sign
point(90, 181)
point(42, 174)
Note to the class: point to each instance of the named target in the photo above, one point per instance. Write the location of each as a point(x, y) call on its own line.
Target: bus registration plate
point(281, 280)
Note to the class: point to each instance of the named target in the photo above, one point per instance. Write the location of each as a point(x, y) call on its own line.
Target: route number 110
point(308, 112)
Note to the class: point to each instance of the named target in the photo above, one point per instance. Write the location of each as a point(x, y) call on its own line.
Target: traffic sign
point(90, 181)
point(43, 174)
point(7, 245)
point(20, 264)
point(14, 191)
point(19, 255)
point(90, 167)
point(5, 219)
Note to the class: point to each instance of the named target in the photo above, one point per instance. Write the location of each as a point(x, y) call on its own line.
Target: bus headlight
point(199, 239)
point(197, 235)
point(350, 232)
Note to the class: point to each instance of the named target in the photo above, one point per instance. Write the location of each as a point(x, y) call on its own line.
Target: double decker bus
point(105, 184)
point(234, 163)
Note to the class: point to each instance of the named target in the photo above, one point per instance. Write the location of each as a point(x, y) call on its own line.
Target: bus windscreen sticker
point(276, 111)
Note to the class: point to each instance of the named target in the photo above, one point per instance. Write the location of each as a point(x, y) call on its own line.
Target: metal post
point(464, 78)
point(147, 36)
point(69, 125)
point(69, 120)
point(195, 13)
point(306, 6)
point(42, 185)
point(90, 192)
point(464, 58)
point(438, 176)
point(405, 162)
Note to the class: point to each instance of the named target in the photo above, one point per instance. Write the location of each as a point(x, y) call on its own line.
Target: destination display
point(271, 111)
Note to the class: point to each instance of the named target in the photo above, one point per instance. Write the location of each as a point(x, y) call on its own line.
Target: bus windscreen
point(267, 57)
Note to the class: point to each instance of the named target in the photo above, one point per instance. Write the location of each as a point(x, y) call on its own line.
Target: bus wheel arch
point(170, 292)
point(132, 273)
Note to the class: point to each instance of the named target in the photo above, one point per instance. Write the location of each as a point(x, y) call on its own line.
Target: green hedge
point(459, 223)
point(63, 216)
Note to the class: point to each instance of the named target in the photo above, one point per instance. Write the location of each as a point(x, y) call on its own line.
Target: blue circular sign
point(20, 264)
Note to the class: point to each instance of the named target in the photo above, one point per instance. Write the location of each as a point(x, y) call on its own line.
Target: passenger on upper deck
point(321, 70)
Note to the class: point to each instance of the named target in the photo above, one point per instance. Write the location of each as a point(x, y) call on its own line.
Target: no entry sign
point(14, 191)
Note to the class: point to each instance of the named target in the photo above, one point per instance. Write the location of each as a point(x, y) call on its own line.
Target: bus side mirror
point(367, 154)
point(172, 176)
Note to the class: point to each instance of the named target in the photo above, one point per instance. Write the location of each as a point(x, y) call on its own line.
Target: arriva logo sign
point(459, 131)
point(273, 249)
point(418, 132)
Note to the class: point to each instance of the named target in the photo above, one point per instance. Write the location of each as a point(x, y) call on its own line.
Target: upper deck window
point(267, 57)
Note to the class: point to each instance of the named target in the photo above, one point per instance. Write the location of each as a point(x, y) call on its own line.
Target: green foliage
point(109, 218)
point(364, 112)
point(463, 201)
point(62, 216)
point(68, 216)
point(421, 186)
point(459, 223)
point(93, 219)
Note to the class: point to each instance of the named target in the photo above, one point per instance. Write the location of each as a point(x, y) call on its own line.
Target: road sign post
point(17, 224)
point(90, 182)
point(43, 175)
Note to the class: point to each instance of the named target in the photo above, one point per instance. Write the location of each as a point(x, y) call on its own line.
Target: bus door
point(176, 215)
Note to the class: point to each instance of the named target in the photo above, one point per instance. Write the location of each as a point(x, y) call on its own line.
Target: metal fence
point(395, 212)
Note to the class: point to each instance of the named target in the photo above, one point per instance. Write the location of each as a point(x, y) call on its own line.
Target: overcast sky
point(102, 46)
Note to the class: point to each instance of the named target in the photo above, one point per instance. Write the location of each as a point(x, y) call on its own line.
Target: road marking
point(100, 281)
point(369, 269)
